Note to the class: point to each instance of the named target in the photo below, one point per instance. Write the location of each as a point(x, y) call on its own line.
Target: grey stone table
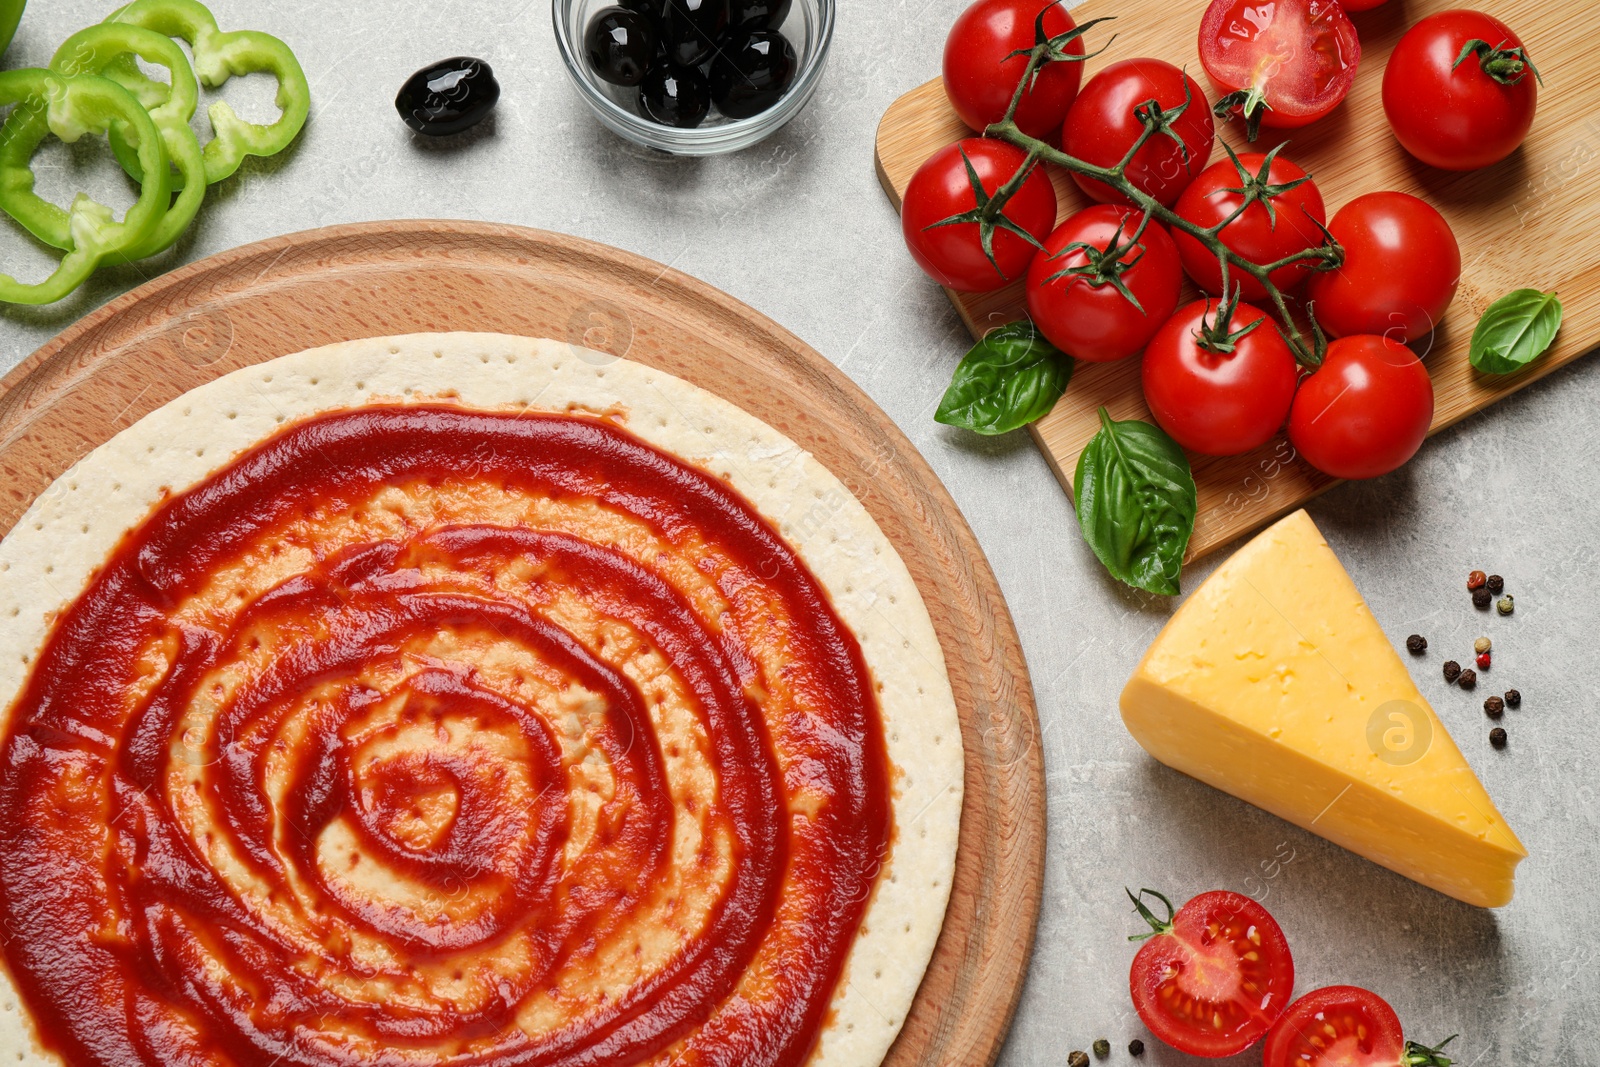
point(798, 228)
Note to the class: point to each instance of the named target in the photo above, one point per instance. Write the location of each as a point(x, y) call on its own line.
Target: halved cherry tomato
point(1290, 61)
point(1084, 313)
point(1102, 126)
point(1219, 388)
point(1344, 1026)
point(1454, 108)
point(1261, 235)
point(1365, 411)
point(981, 72)
point(1401, 269)
point(1213, 978)
point(953, 255)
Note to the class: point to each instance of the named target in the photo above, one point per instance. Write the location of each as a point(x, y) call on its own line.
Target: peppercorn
point(1496, 584)
point(1102, 1047)
point(1476, 580)
point(1480, 597)
point(1513, 698)
point(1494, 707)
point(1452, 671)
point(1078, 1058)
point(1497, 738)
point(1506, 605)
point(1136, 1047)
point(1468, 679)
point(1481, 645)
point(1483, 661)
point(1416, 644)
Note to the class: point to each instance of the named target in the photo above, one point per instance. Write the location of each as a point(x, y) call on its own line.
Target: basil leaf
point(1516, 330)
point(1009, 379)
point(1136, 503)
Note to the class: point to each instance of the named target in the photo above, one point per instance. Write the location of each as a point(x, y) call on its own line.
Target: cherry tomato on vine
point(1365, 411)
point(1401, 269)
point(1345, 1026)
point(1078, 292)
point(981, 72)
point(1283, 64)
point(1219, 383)
point(1212, 979)
point(1102, 126)
point(1282, 219)
point(1460, 90)
point(952, 254)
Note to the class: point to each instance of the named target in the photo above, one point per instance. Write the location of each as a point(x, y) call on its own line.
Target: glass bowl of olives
point(694, 77)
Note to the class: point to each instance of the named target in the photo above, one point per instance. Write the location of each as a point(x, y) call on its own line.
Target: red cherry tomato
point(1401, 269)
point(980, 79)
point(1338, 1026)
point(1365, 411)
point(1085, 315)
point(1214, 977)
point(1101, 127)
point(953, 255)
point(1299, 56)
point(1259, 235)
point(1466, 115)
point(1219, 403)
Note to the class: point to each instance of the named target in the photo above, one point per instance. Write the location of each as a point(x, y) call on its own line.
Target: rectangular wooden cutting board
point(1530, 221)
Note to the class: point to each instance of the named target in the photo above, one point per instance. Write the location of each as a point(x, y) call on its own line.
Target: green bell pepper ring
point(89, 52)
point(72, 107)
point(10, 18)
point(218, 56)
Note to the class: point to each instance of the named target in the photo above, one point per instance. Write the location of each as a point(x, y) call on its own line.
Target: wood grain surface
point(1532, 220)
point(309, 289)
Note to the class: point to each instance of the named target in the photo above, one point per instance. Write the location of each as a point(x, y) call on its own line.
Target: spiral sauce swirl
point(422, 735)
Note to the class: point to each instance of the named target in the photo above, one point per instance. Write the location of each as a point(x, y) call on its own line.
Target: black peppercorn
point(1481, 597)
point(1136, 1047)
point(1468, 679)
point(1416, 644)
point(1078, 1058)
point(1496, 584)
point(1102, 1048)
point(1513, 698)
point(1452, 671)
point(1497, 737)
point(1494, 707)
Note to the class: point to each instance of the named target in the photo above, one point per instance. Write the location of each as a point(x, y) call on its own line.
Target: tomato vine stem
point(1157, 120)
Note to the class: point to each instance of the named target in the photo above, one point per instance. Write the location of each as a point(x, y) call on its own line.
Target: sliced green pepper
point(88, 52)
point(218, 56)
point(10, 18)
point(72, 107)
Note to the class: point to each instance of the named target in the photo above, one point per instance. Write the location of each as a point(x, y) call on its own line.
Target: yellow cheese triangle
point(1274, 682)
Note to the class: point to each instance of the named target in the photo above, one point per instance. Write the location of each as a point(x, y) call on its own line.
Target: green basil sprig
point(1009, 379)
point(1516, 330)
point(1136, 503)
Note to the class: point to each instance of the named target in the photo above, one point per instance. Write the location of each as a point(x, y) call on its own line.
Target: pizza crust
point(57, 545)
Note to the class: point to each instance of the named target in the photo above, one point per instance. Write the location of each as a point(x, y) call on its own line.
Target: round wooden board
point(297, 292)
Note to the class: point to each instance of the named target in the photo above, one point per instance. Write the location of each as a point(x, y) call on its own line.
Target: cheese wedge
point(1274, 683)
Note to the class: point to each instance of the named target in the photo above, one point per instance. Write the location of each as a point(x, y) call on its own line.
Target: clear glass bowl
point(809, 28)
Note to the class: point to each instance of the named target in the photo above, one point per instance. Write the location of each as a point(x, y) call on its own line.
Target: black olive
point(753, 69)
point(448, 97)
point(675, 96)
point(619, 45)
point(763, 14)
point(691, 28)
